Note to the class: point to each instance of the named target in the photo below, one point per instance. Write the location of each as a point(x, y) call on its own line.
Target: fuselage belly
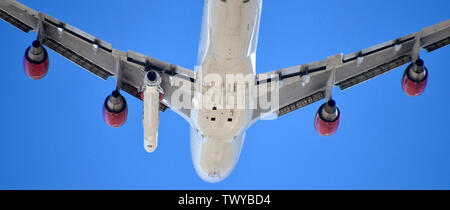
point(227, 47)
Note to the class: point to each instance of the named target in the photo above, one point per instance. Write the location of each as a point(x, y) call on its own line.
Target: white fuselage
point(227, 46)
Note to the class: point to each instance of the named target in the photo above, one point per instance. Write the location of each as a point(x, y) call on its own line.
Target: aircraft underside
point(223, 96)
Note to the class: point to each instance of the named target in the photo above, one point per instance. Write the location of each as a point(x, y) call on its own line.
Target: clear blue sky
point(53, 135)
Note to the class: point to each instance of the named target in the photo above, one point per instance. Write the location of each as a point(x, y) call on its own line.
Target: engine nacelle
point(415, 78)
point(35, 61)
point(115, 110)
point(327, 119)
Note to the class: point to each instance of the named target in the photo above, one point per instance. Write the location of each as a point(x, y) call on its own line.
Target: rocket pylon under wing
point(151, 118)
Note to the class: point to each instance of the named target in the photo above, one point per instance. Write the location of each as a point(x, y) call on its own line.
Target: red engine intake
point(35, 61)
point(327, 119)
point(115, 110)
point(415, 78)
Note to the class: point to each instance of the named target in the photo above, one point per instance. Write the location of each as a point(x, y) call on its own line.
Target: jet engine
point(415, 78)
point(115, 110)
point(327, 119)
point(35, 61)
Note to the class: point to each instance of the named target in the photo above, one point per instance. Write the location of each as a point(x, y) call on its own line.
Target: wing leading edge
point(94, 54)
point(305, 84)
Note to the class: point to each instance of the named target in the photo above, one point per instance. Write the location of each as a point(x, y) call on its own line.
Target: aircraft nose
point(214, 174)
point(214, 160)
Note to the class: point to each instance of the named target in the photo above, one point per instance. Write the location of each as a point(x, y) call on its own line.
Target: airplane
point(218, 111)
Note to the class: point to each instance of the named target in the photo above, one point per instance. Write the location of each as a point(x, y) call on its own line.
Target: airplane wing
point(95, 55)
point(305, 84)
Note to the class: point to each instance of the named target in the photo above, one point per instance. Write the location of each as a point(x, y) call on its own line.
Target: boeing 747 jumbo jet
point(223, 96)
